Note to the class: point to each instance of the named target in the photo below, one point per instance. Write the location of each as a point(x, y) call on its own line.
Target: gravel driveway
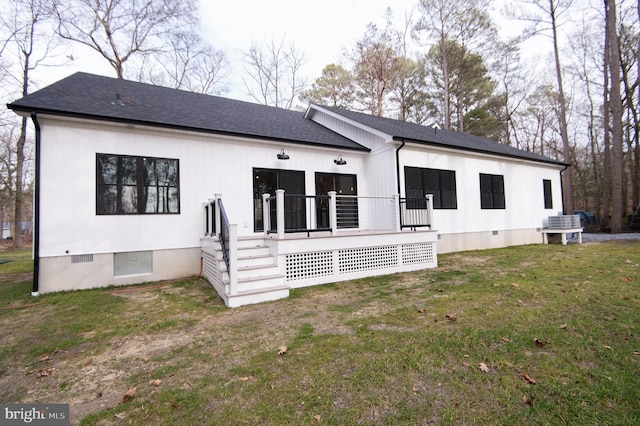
point(589, 237)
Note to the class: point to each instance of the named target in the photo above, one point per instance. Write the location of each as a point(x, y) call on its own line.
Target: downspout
point(398, 166)
point(36, 211)
point(562, 189)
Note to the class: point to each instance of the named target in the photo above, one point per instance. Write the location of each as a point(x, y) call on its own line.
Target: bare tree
point(378, 62)
point(30, 45)
point(188, 63)
point(544, 19)
point(274, 73)
point(120, 30)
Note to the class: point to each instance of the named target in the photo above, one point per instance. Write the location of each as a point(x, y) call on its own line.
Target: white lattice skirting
point(320, 267)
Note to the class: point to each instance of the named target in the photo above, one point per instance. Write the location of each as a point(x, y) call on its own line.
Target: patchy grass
point(524, 335)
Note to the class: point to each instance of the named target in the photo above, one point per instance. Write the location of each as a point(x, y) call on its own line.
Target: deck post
point(396, 203)
point(266, 213)
point(233, 259)
point(429, 198)
point(206, 218)
point(216, 216)
point(333, 215)
point(280, 213)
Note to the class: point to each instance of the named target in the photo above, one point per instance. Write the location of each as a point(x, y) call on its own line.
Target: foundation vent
point(81, 258)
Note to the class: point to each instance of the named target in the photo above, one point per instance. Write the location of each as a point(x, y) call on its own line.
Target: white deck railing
point(335, 213)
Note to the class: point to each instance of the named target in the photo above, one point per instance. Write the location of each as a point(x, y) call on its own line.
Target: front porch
point(337, 238)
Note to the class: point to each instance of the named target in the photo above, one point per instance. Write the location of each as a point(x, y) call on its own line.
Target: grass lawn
point(540, 334)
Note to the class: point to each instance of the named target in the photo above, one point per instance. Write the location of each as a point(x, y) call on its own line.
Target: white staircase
point(259, 279)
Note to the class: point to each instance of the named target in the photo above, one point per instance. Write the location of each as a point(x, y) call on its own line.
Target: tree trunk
point(445, 83)
point(562, 119)
point(606, 162)
point(17, 235)
point(617, 208)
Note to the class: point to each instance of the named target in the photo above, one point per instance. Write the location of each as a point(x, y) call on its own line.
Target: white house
point(139, 183)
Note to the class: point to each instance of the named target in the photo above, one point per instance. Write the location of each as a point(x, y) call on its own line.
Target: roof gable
point(416, 133)
point(109, 99)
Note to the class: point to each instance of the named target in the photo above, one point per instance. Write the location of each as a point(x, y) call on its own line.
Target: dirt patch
point(92, 380)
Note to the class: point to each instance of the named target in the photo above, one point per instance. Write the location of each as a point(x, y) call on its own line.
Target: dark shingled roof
point(416, 133)
point(104, 98)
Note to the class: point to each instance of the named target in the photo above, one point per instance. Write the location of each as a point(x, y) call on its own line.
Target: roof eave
point(28, 110)
point(481, 151)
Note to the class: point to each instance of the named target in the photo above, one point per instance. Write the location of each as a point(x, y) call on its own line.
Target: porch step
point(249, 297)
point(258, 277)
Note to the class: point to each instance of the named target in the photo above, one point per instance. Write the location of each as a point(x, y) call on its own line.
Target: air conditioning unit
point(567, 221)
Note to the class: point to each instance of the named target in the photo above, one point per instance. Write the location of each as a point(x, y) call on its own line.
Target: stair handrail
point(228, 241)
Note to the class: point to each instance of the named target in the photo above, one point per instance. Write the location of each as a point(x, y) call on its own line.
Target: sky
point(322, 30)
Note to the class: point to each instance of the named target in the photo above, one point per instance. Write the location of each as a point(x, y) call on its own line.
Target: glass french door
point(343, 184)
point(267, 181)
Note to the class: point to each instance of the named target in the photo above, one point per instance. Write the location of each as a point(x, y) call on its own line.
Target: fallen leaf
point(629, 261)
point(528, 378)
point(155, 382)
point(515, 285)
point(317, 417)
point(626, 279)
point(527, 400)
point(636, 353)
point(539, 342)
point(46, 372)
point(415, 388)
point(421, 310)
point(120, 416)
point(563, 326)
point(127, 396)
point(608, 347)
point(484, 367)
point(282, 350)
point(451, 317)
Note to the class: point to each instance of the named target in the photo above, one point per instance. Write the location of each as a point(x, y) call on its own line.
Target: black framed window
point(491, 191)
point(548, 199)
point(441, 184)
point(267, 181)
point(128, 184)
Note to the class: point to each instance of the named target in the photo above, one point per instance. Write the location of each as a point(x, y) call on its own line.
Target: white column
point(266, 213)
point(429, 198)
point(233, 259)
point(333, 218)
point(396, 203)
point(280, 212)
point(218, 223)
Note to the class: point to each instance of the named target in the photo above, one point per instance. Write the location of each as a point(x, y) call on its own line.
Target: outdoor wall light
point(339, 161)
point(282, 155)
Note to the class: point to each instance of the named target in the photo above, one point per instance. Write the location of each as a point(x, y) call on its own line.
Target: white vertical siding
point(524, 195)
point(209, 165)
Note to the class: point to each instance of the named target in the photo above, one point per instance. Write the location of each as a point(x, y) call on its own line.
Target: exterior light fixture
point(339, 161)
point(282, 155)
